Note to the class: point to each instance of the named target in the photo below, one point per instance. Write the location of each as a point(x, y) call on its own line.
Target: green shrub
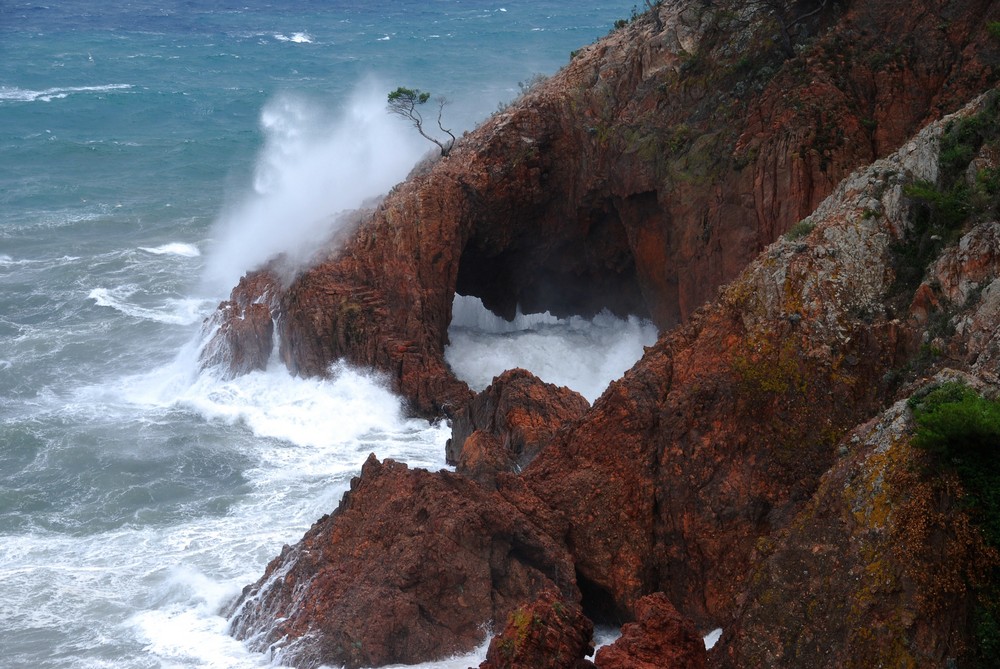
point(800, 230)
point(962, 431)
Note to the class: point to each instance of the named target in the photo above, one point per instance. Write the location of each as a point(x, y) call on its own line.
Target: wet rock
point(660, 637)
point(548, 633)
point(411, 567)
point(243, 327)
point(504, 427)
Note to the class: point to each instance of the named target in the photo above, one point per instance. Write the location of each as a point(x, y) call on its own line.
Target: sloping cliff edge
point(751, 470)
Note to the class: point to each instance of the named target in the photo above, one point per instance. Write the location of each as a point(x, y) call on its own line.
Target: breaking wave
point(579, 353)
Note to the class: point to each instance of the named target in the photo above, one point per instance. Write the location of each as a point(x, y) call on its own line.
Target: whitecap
point(183, 311)
point(15, 94)
point(297, 38)
point(173, 248)
point(384, 38)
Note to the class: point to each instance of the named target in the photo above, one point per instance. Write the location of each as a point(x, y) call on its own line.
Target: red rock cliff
point(647, 172)
point(755, 455)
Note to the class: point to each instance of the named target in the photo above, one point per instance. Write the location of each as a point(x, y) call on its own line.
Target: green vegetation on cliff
point(961, 429)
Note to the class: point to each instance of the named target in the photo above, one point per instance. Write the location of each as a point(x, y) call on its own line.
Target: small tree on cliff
point(405, 102)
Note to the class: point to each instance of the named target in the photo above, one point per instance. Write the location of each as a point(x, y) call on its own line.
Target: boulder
point(660, 638)
point(504, 427)
point(548, 633)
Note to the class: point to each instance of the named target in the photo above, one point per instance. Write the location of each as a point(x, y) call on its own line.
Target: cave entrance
point(562, 301)
point(577, 268)
point(599, 604)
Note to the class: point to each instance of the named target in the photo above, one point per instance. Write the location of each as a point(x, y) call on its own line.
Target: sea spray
point(135, 495)
point(311, 172)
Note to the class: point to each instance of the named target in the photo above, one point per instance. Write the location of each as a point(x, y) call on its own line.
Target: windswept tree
point(406, 102)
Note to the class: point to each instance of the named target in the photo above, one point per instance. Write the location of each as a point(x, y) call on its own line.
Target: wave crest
point(15, 94)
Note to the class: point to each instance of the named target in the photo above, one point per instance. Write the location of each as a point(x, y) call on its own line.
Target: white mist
point(311, 169)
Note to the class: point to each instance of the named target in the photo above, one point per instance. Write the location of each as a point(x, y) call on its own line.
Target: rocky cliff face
point(754, 467)
point(646, 173)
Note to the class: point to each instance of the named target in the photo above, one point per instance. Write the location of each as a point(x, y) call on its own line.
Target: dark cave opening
point(575, 268)
point(598, 603)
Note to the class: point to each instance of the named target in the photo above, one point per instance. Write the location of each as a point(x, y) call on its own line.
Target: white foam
point(15, 94)
point(582, 354)
point(173, 248)
point(298, 38)
point(712, 638)
point(174, 311)
point(310, 170)
point(300, 442)
point(471, 659)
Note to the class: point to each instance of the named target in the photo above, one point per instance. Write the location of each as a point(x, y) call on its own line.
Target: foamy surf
point(297, 38)
point(173, 248)
point(583, 354)
point(15, 94)
point(173, 311)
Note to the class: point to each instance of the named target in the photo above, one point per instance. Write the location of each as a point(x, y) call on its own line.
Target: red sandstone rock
point(548, 633)
point(504, 427)
point(873, 571)
point(660, 638)
point(244, 336)
point(411, 567)
point(638, 171)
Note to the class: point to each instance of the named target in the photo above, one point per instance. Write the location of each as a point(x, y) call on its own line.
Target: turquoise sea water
point(149, 154)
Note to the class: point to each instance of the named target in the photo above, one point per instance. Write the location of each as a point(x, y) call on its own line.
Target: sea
point(150, 154)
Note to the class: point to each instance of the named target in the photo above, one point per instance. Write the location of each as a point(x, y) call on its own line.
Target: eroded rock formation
point(646, 173)
point(757, 454)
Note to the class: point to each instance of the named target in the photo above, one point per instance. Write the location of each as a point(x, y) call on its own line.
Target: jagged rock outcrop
point(504, 427)
point(659, 637)
point(244, 335)
point(412, 566)
point(646, 173)
point(548, 633)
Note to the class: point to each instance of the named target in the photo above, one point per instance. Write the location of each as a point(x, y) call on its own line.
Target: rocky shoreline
point(753, 471)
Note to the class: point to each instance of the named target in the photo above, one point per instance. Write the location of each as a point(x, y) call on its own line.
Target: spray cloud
point(309, 170)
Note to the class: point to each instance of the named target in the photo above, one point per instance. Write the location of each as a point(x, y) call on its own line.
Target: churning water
point(150, 154)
